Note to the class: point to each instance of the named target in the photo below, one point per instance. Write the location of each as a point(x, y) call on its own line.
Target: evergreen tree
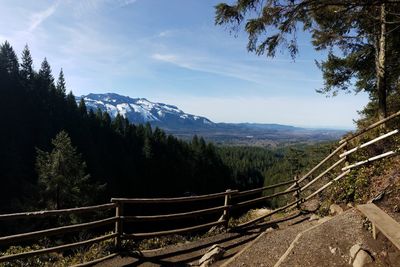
point(82, 107)
point(362, 38)
point(71, 102)
point(8, 59)
point(62, 175)
point(45, 75)
point(61, 87)
point(26, 65)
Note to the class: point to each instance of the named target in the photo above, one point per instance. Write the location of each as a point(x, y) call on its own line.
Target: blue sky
point(171, 52)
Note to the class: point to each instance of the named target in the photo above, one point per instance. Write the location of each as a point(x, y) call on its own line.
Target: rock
point(332, 250)
point(311, 205)
point(335, 209)
point(261, 212)
point(362, 258)
point(314, 217)
point(270, 229)
point(354, 250)
point(213, 254)
point(396, 208)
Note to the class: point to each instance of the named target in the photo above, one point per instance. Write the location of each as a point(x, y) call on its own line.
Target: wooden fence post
point(297, 193)
point(346, 161)
point(118, 224)
point(226, 214)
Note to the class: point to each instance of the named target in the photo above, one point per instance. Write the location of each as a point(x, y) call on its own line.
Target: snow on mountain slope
point(141, 110)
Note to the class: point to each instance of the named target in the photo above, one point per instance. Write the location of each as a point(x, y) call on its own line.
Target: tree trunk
point(381, 66)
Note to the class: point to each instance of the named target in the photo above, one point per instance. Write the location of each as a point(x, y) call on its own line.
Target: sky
point(170, 51)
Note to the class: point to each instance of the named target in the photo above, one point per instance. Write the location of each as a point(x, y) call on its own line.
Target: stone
point(270, 229)
point(213, 254)
point(396, 208)
point(362, 258)
point(332, 250)
point(354, 250)
point(311, 205)
point(314, 217)
point(335, 209)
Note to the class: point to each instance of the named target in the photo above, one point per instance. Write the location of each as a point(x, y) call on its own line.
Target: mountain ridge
point(175, 121)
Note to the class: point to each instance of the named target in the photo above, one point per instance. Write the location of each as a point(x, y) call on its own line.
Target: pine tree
point(8, 59)
point(361, 38)
point(71, 102)
point(61, 87)
point(62, 175)
point(45, 75)
point(82, 107)
point(26, 65)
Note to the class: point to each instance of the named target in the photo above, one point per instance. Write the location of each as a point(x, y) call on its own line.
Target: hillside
point(183, 125)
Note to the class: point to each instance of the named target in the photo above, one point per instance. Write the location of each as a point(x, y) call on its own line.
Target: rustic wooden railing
point(231, 201)
point(18, 238)
point(342, 152)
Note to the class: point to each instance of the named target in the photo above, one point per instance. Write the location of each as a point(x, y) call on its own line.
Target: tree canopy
point(62, 175)
point(362, 38)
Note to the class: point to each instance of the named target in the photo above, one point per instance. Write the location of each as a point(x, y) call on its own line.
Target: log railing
point(120, 218)
point(341, 153)
point(18, 238)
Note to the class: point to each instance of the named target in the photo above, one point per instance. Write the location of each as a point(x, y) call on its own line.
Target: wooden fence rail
point(118, 204)
point(55, 231)
point(259, 199)
point(173, 199)
point(174, 216)
point(372, 126)
point(56, 249)
point(174, 231)
point(258, 190)
point(46, 213)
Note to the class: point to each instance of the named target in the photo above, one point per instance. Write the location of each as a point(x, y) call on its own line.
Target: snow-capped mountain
point(174, 121)
point(141, 110)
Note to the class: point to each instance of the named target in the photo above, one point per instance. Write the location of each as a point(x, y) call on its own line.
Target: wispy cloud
point(166, 33)
point(235, 69)
point(127, 2)
point(39, 17)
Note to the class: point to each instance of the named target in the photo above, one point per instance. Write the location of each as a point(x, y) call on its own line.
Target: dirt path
point(185, 254)
point(327, 244)
point(189, 253)
point(267, 250)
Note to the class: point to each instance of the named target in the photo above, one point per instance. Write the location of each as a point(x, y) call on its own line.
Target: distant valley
point(183, 125)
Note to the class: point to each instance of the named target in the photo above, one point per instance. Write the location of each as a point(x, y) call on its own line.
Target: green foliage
point(8, 60)
point(132, 160)
point(26, 70)
point(253, 167)
point(45, 74)
point(61, 86)
point(361, 55)
point(79, 255)
point(42, 260)
point(62, 175)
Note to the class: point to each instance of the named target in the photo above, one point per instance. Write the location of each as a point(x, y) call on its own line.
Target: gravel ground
point(185, 254)
point(327, 244)
point(269, 248)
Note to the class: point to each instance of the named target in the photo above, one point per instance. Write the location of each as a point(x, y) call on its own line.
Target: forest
point(57, 154)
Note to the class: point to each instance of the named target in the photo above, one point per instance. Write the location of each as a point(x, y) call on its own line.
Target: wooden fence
point(230, 200)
